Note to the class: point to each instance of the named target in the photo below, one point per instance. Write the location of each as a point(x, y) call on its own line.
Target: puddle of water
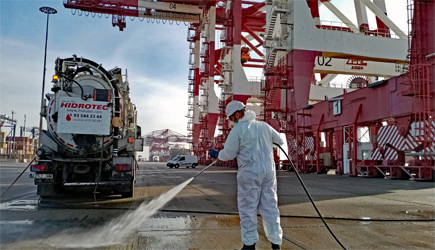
point(166, 226)
point(116, 231)
point(16, 222)
point(21, 205)
point(365, 218)
point(225, 221)
point(420, 214)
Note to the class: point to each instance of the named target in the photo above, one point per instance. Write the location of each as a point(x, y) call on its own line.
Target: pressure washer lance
point(200, 172)
point(309, 196)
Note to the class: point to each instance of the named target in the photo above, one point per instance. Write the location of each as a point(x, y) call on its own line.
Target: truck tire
point(177, 165)
point(193, 165)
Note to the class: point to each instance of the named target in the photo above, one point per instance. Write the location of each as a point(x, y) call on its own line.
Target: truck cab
point(183, 160)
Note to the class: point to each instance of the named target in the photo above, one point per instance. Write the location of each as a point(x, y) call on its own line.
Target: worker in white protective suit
point(251, 142)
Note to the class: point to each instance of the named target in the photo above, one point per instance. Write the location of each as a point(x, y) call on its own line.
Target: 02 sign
point(336, 107)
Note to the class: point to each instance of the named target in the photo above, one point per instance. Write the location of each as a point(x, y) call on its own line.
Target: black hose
point(70, 79)
point(108, 75)
point(18, 177)
point(309, 196)
point(99, 169)
point(94, 207)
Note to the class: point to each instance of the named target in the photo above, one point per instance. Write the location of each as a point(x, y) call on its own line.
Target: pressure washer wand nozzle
point(200, 172)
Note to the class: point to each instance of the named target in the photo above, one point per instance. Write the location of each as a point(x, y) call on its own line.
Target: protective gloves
point(213, 153)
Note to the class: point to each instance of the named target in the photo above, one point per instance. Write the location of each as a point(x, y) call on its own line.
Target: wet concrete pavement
point(204, 214)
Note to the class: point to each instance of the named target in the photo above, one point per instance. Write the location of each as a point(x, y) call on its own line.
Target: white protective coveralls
point(251, 141)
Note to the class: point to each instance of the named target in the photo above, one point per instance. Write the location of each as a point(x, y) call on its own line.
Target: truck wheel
point(193, 166)
point(177, 166)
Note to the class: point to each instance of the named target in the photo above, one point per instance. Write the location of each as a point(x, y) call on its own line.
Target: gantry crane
point(390, 97)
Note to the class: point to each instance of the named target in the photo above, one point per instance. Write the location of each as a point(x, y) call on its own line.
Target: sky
point(156, 56)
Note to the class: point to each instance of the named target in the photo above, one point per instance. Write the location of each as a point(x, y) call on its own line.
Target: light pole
point(13, 126)
point(48, 11)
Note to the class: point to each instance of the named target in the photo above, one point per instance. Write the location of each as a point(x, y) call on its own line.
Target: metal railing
point(255, 78)
point(333, 85)
point(370, 31)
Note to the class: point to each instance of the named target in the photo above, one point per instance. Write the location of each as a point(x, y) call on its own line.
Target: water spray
point(200, 172)
point(117, 230)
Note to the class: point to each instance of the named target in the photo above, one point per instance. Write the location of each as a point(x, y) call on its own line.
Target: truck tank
point(92, 133)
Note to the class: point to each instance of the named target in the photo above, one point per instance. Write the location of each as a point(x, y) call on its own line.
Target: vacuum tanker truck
point(92, 134)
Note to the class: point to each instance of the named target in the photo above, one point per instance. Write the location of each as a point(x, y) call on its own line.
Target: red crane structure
point(160, 142)
point(398, 112)
point(206, 111)
point(325, 127)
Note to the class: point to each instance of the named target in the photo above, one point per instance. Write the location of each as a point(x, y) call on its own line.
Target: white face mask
point(231, 124)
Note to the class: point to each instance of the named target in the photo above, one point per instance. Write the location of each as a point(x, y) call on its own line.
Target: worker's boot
point(275, 247)
point(248, 247)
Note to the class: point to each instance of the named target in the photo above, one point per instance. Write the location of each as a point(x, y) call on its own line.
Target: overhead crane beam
point(131, 7)
point(361, 15)
point(172, 7)
point(138, 8)
point(381, 15)
point(383, 99)
point(252, 33)
point(328, 65)
point(340, 15)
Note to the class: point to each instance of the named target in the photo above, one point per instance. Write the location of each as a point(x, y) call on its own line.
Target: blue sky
point(156, 56)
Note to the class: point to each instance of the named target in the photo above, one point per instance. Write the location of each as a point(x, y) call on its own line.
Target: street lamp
point(48, 11)
point(13, 126)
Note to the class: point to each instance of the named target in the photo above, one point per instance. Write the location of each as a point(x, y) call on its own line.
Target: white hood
point(249, 116)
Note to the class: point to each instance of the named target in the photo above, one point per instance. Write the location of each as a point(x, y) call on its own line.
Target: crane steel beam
point(252, 46)
point(340, 15)
point(327, 79)
point(260, 66)
point(381, 25)
point(361, 15)
point(356, 67)
point(5, 118)
point(172, 7)
point(381, 15)
point(252, 33)
point(131, 6)
point(380, 100)
point(340, 44)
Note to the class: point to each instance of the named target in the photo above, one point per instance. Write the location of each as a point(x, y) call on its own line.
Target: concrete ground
point(363, 213)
